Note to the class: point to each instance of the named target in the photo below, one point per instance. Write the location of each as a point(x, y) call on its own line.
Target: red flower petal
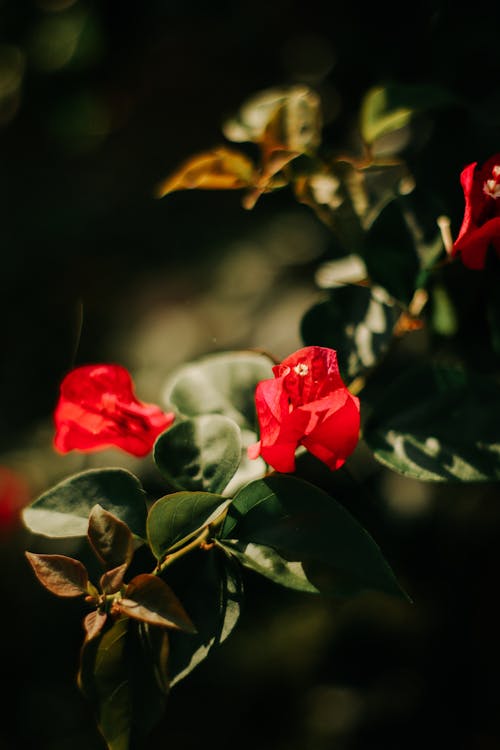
point(480, 227)
point(306, 404)
point(98, 409)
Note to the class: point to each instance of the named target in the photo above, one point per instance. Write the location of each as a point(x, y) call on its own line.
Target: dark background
point(98, 102)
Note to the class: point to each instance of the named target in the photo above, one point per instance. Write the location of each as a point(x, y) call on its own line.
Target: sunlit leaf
point(219, 169)
point(287, 117)
point(438, 423)
point(388, 108)
point(357, 322)
point(267, 562)
point(63, 511)
point(212, 593)
point(59, 574)
point(304, 524)
point(123, 674)
point(221, 383)
point(110, 538)
point(173, 519)
point(200, 453)
point(151, 600)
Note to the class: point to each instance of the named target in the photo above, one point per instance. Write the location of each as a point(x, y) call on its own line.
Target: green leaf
point(357, 322)
point(63, 511)
point(173, 519)
point(304, 524)
point(222, 383)
point(269, 563)
point(438, 423)
point(123, 675)
point(388, 108)
point(212, 593)
point(201, 453)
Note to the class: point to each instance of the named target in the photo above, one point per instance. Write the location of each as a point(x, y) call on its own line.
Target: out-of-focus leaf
point(267, 562)
point(388, 108)
point(59, 574)
point(270, 177)
point(123, 674)
point(173, 519)
point(390, 255)
point(283, 117)
point(110, 538)
point(219, 169)
point(212, 593)
point(444, 316)
point(438, 423)
point(200, 453)
point(63, 511)
point(149, 599)
point(304, 524)
point(357, 322)
point(221, 383)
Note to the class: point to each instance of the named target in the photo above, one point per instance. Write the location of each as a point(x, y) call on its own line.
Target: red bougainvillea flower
point(14, 495)
point(306, 404)
point(481, 223)
point(98, 409)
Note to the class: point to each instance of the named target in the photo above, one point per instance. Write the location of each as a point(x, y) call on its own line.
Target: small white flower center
point(301, 369)
point(491, 187)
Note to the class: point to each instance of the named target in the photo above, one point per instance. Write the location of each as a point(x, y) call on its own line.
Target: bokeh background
point(99, 101)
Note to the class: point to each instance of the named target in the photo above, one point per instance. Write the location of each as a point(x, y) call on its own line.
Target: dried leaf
point(219, 169)
point(61, 575)
point(151, 600)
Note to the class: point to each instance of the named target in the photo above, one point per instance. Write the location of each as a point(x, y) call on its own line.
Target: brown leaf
point(93, 623)
point(219, 169)
point(111, 539)
point(61, 575)
point(271, 176)
point(112, 580)
point(151, 600)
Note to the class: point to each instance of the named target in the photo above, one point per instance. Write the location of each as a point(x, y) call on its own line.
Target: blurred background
point(99, 101)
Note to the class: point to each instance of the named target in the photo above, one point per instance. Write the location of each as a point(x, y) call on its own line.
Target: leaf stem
point(197, 542)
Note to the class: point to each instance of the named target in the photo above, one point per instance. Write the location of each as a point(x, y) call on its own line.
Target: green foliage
point(174, 519)
point(357, 322)
point(64, 510)
point(201, 453)
point(123, 673)
point(438, 423)
point(305, 525)
point(224, 513)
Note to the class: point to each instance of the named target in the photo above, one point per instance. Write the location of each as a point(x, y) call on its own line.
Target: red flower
point(481, 223)
point(98, 409)
point(14, 495)
point(306, 404)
